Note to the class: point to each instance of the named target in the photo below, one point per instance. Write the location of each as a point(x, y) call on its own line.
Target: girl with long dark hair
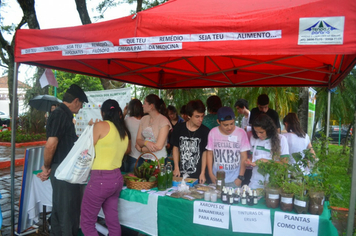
point(297, 139)
point(111, 140)
point(266, 145)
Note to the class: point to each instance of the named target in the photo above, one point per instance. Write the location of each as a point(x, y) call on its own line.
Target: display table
point(175, 217)
point(163, 215)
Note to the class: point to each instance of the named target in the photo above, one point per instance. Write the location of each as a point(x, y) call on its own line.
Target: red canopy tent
point(207, 43)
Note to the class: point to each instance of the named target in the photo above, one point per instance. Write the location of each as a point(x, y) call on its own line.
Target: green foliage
point(21, 137)
point(276, 172)
point(290, 187)
point(65, 80)
point(336, 179)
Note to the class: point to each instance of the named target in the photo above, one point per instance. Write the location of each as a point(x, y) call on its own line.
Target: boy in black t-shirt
point(189, 140)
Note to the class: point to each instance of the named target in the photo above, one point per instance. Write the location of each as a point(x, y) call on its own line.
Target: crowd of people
point(197, 144)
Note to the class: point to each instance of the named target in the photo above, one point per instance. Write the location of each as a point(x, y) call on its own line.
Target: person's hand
point(44, 175)
point(212, 178)
point(91, 122)
point(176, 172)
point(202, 178)
point(151, 146)
point(248, 162)
point(238, 182)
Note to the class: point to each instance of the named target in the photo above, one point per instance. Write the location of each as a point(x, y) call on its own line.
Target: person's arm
point(48, 153)
point(128, 150)
point(310, 147)
point(175, 153)
point(209, 161)
point(161, 140)
point(202, 178)
point(139, 139)
point(243, 158)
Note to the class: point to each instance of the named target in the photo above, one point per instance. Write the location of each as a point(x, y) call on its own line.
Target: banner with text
point(211, 214)
point(248, 220)
point(295, 225)
point(91, 110)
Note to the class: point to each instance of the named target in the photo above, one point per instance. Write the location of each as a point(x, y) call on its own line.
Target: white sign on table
point(250, 220)
point(292, 224)
point(211, 214)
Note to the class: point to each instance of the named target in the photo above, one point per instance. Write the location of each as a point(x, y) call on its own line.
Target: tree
point(7, 48)
point(65, 80)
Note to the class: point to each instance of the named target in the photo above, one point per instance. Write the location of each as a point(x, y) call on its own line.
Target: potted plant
point(274, 172)
point(287, 194)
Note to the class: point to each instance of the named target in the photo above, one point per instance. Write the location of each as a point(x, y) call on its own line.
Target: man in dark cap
point(66, 198)
point(262, 107)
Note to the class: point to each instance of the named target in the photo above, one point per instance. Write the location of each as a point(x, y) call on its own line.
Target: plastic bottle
point(243, 199)
point(162, 179)
point(220, 175)
point(255, 199)
point(169, 174)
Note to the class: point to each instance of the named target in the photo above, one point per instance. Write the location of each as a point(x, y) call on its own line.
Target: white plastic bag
point(76, 166)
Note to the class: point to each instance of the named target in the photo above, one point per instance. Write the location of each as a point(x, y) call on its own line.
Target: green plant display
point(275, 171)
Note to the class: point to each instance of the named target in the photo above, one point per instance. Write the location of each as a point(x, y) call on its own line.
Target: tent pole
point(351, 216)
point(328, 114)
point(13, 137)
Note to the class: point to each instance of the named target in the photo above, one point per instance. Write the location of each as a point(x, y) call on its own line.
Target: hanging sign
point(250, 220)
point(73, 46)
point(295, 224)
point(321, 30)
point(211, 214)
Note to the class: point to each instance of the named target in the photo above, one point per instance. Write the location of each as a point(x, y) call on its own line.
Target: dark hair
point(265, 122)
point(263, 100)
point(195, 105)
point(241, 103)
point(67, 97)
point(50, 109)
point(183, 110)
point(158, 103)
point(135, 108)
point(294, 125)
point(213, 103)
point(172, 109)
point(111, 111)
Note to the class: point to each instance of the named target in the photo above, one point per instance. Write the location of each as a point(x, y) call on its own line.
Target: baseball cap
point(225, 113)
point(77, 92)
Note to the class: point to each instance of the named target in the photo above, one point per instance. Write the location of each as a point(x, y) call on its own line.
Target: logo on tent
point(320, 27)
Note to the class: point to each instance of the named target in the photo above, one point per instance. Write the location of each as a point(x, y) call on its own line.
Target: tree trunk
point(28, 9)
point(139, 6)
point(303, 108)
point(83, 11)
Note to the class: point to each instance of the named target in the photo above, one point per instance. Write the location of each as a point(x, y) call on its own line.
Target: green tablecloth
point(175, 217)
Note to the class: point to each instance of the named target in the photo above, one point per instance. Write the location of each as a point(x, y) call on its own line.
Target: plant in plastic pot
point(287, 194)
point(316, 193)
point(273, 171)
point(301, 198)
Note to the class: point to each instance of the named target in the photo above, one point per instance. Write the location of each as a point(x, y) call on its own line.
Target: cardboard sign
point(249, 220)
point(211, 214)
point(295, 224)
